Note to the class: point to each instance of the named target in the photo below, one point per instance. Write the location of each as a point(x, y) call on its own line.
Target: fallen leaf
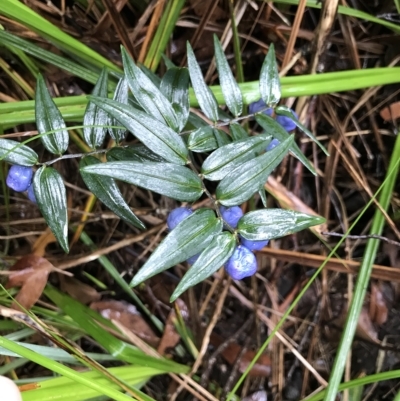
point(76, 289)
point(30, 273)
point(391, 113)
point(262, 368)
point(170, 337)
point(378, 310)
point(128, 316)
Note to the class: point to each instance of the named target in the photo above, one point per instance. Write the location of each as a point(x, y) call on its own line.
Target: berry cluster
point(242, 263)
point(19, 179)
point(286, 122)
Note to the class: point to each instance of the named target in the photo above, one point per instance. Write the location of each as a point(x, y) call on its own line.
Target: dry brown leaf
point(391, 113)
point(262, 368)
point(128, 316)
point(30, 273)
point(378, 310)
point(76, 289)
point(170, 337)
point(39, 247)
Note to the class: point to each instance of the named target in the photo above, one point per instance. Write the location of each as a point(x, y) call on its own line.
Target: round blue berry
point(177, 215)
point(231, 215)
point(241, 264)
point(253, 245)
point(273, 144)
point(31, 194)
point(255, 107)
point(19, 178)
point(193, 259)
point(286, 122)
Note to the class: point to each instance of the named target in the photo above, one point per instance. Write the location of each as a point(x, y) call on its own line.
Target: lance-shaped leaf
point(263, 196)
point(287, 112)
point(275, 223)
point(240, 184)
point(175, 87)
point(136, 153)
point(95, 118)
point(225, 159)
point(177, 182)
point(155, 135)
point(107, 191)
point(210, 260)
point(51, 198)
point(229, 87)
point(270, 86)
point(121, 95)
point(238, 132)
point(205, 97)
point(202, 140)
point(221, 137)
point(16, 153)
point(147, 94)
point(187, 239)
point(48, 118)
point(273, 128)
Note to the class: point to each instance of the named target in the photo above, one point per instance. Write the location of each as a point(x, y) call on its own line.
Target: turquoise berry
point(286, 122)
point(255, 107)
point(253, 245)
point(31, 194)
point(241, 264)
point(19, 178)
point(177, 215)
point(273, 144)
point(231, 215)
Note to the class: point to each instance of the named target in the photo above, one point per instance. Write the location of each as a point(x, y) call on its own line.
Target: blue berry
point(287, 122)
point(273, 144)
point(177, 215)
point(193, 259)
point(253, 245)
point(231, 215)
point(241, 264)
point(258, 106)
point(19, 178)
point(31, 194)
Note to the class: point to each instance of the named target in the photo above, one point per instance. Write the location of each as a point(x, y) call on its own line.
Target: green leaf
point(210, 260)
point(175, 86)
point(270, 86)
point(202, 140)
point(205, 97)
point(227, 158)
point(155, 135)
point(147, 94)
point(240, 184)
point(16, 153)
point(48, 118)
point(275, 223)
point(286, 111)
point(190, 237)
point(167, 179)
point(278, 132)
point(51, 198)
point(221, 137)
point(94, 115)
point(105, 189)
point(229, 87)
point(136, 153)
point(263, 196)
point(238, 132)
point(121, 96)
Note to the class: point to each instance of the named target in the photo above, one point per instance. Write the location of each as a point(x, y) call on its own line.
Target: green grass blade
point(360, 289)
point(18, 11)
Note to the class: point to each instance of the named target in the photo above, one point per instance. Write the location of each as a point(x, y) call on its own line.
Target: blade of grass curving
point(18, 11)
point(18, 44)
point(394, 164)
point(163, 34)
point(62, 370)
point(360, 288)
